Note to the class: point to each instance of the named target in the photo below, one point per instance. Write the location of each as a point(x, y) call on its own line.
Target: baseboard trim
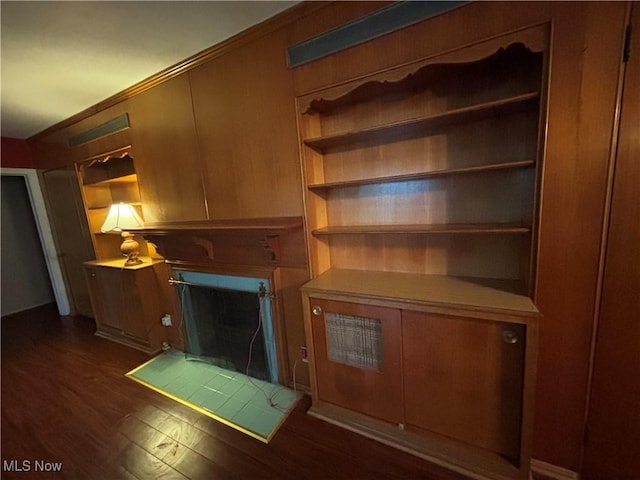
point(553, 471)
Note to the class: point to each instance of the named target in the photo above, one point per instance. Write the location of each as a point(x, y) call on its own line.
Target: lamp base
point(129, 248)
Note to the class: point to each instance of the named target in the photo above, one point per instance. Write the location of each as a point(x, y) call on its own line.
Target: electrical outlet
point(303, 353)
point(166, 320)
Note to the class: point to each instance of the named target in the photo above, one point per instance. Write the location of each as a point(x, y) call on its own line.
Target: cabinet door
point(107, 296)
point(463, 378)
point(127, 305)
point(166, 153)
point(357, 357)
point(246, 123)
point(140, 298)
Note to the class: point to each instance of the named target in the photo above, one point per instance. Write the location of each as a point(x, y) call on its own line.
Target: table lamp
point(121, 218)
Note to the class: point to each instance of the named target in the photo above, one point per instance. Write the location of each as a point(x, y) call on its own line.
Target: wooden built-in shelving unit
point(422, 186)
point(448, 146)
point(126, 300)
point(104, 180)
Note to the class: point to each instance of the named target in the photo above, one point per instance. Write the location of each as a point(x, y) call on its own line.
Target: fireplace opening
point(227, 322)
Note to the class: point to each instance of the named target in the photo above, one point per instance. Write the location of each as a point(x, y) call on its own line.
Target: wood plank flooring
point(65, 399)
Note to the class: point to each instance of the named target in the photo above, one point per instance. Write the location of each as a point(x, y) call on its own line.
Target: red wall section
point(15, 153)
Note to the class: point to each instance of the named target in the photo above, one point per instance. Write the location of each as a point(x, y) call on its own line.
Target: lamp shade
point(122, 216)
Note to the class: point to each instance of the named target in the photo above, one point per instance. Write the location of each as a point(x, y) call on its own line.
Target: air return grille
point(354, 341)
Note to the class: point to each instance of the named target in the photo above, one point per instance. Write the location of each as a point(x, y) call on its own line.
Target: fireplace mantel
point(275, 241)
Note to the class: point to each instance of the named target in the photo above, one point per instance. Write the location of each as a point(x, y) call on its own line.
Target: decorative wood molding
point(553, 471)
point(265, 242)
point(271, 245)
point(437, 449)
point(416, 82)
point(270, 25)
point(534, 37)
point(206, 244)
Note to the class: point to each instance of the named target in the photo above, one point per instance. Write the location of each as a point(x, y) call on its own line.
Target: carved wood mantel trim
point(277, 241)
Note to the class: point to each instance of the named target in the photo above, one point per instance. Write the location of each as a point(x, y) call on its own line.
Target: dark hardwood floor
point(65, 399)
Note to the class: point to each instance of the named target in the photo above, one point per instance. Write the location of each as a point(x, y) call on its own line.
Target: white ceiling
point(61, 57)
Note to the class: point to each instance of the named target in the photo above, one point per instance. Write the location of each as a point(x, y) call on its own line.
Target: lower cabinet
point(349, 342)
point(126, 302)
point(450, 385)
point(463, 378)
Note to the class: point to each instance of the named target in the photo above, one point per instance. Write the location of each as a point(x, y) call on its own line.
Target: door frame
point(36, 199)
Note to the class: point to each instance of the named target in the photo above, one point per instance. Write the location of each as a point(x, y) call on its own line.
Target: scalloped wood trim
point(534, 38)
point(414, 82)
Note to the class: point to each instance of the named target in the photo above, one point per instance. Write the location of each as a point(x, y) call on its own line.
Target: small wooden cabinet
point(126, 302)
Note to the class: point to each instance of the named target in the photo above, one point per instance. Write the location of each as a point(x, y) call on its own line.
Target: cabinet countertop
point(119, 263)
point(424, 289)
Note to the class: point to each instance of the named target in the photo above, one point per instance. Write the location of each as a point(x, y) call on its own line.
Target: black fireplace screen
point(220, 325)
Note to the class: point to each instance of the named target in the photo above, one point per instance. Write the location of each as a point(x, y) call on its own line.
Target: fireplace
point(231, 277)
point(227, 321)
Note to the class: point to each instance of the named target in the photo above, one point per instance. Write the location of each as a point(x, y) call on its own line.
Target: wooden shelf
point(273, 225)
point(446, 229)
point(417, 126)
point(111, 181)
point(423, 175)
point(474, 293)
point(102, 207)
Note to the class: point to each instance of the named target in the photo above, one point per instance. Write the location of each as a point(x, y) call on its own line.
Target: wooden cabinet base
point(441, 450)
point(439, 367)
point(124, 339)
point(127, 302)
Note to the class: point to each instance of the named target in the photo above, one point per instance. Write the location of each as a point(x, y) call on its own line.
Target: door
point(612, 443)
point(71, 232)
point(463, 378)
point(109, 293)
point(357, 357)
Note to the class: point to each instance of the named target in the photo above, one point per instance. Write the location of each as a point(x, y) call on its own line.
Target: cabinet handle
point(93, 274)
point(509, 336)
point(317, 311)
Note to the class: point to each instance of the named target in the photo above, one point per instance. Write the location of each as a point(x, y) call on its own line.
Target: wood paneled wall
point(241, 142)
point(247, 135)
point(165, 152)
point(586, 48)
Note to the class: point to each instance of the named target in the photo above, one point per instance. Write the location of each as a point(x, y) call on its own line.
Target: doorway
point(31, 275)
